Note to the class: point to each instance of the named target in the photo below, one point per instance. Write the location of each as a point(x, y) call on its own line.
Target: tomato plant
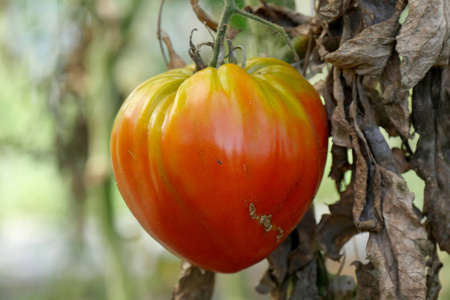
point(220, 165)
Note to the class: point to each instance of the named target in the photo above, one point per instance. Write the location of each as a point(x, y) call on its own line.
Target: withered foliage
point(194, 283)
point(382, 57)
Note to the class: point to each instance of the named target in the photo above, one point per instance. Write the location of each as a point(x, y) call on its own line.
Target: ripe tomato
point(219, 166)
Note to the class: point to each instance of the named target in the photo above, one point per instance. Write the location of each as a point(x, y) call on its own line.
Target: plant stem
point(229, 10)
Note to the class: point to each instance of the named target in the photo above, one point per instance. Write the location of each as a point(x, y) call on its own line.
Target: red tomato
point(220, 166)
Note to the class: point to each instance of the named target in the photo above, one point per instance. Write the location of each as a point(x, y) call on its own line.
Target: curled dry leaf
point(379, 109)
point(280, 15)
point(339, 165)
point(401, 160)
point(375, 12)
point(340, 127)
point(306, 282)
point(337, 228)
point(431, 119)
point(444, 57)
point(293, 261)
point(331, 10)
point(433, 283)
point(399, 251)
point(395, 100)
point(342, 287)
point(368, 52)
point(194, 283)
point(368, 281)
point(421, 39)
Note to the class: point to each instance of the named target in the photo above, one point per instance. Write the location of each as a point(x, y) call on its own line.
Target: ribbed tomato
point(219, 166)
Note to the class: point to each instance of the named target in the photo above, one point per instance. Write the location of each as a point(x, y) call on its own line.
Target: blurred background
point(65, 68)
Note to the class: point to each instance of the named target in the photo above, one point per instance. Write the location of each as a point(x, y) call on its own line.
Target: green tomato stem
point(229, 10)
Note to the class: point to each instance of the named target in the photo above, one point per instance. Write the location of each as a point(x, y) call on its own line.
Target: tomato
point(220, 166)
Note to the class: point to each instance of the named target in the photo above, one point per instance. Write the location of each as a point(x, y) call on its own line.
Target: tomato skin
point(219, 166)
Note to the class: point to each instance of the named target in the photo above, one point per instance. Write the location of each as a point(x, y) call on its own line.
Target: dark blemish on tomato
point(219, 161)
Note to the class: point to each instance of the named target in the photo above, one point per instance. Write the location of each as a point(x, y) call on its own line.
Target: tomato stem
point(229, 10)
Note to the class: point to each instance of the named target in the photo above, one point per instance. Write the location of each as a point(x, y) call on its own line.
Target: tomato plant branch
point(229, 10)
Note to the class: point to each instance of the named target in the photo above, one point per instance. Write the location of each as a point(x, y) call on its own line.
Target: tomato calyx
point(231, 57)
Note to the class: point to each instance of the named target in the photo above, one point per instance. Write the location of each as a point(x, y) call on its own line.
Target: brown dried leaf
point(375, 12)
point(280, 15)
point(444, 57)
point(339, 165)
point(266, 284)
point(372, 136)
point(194, 283)
point(433, 283)
point(337, 228)
point(399, 251)
point(278, 260)
point(395, 99)
point(369, 146)
point(421, 39)
point(340, 128)
point(368, 52)
point(342, 287)
point(331, 10)
point(368, 281)
point(306, 282)
point(379, 109)
point(431, 119)
point(303, 246)
point(401, 161)
point(292, 261)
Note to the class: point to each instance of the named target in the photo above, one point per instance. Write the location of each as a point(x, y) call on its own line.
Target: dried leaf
point(395, 100)
point(292, 261)
point(399, 251)
point(280, 15)
point(193, 283)
point(331, 10)
point(401, 161)
point(379, 109)
point(444, 57)
point(433, 283)
point(431, 119)
point(339, 166)
point(266, 284)
point(421, 39)
point(372, 135)
point(340, 127)
point(306, 282)
point(342, 287)
point(337, 228)
point(369, 146)
point(368, 281)
point(368, 52)
point(375, 12)
point(303, 246)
